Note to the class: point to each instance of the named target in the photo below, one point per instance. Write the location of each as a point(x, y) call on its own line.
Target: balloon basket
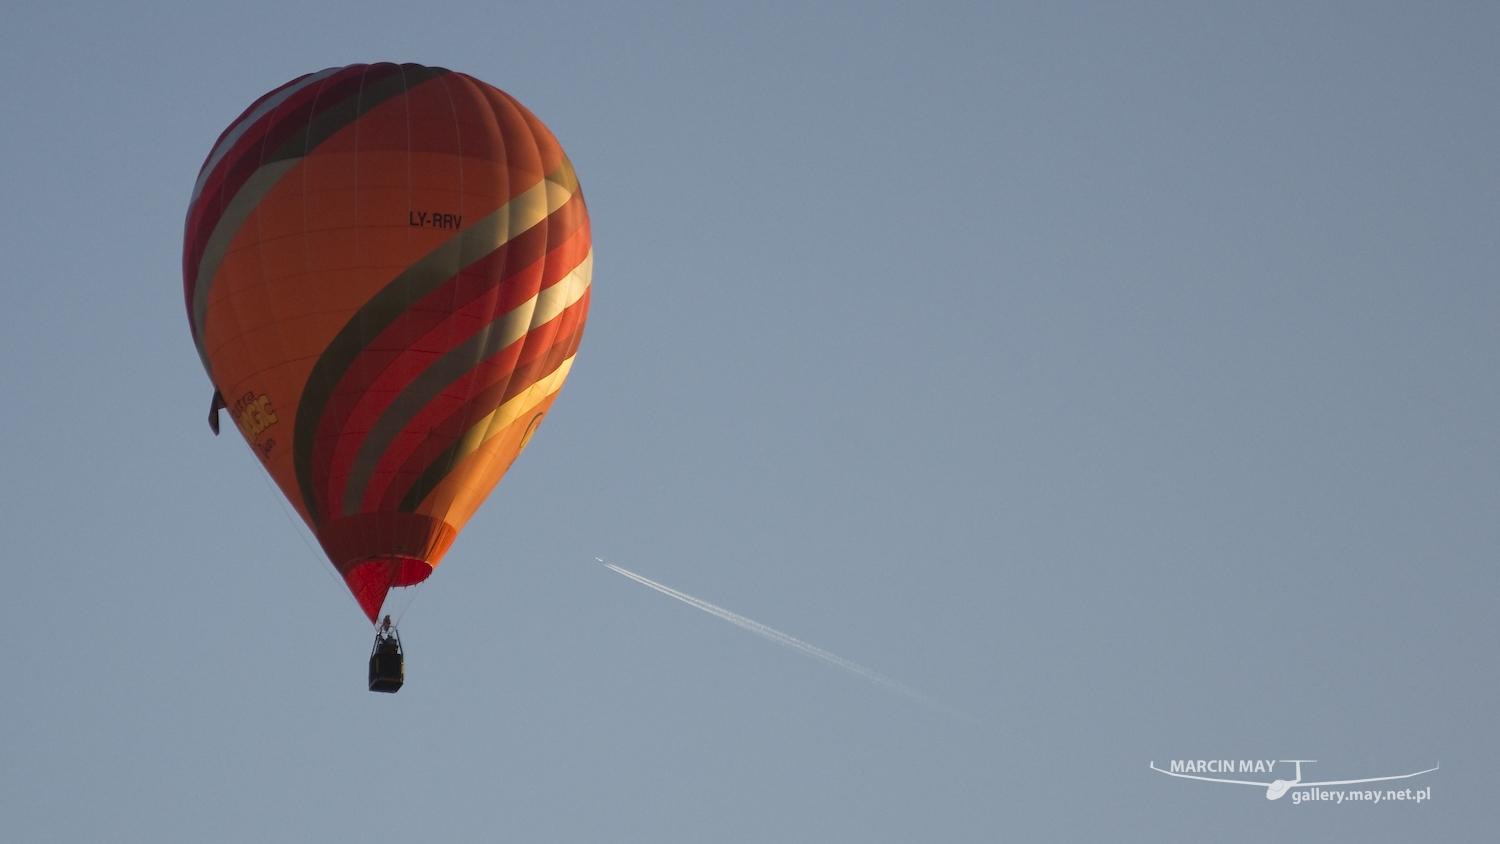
point(387, 669)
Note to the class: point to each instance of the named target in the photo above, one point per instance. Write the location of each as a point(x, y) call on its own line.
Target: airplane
point(1277, 788)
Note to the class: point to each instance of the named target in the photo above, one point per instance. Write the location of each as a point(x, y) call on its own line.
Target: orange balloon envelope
point(387, 276)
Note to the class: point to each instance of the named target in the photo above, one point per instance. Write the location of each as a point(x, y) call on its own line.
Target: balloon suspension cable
point(410, 599)
point(387, 634)
point(300, 529)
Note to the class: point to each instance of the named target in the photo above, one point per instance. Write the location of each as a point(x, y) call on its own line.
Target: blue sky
point(1120, 378)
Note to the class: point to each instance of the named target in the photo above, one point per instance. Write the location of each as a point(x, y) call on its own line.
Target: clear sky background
point(1120, 376)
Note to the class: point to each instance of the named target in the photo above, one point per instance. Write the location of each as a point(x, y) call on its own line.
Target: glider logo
point(1301, 791)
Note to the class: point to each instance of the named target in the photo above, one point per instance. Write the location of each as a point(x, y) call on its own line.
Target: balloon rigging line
point(298, 528)
point(785, 639)
point(411, 599)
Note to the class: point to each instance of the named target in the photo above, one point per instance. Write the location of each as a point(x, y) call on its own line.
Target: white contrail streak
point(779, 637)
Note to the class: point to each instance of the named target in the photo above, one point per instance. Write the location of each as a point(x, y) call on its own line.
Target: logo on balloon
point(253, 414)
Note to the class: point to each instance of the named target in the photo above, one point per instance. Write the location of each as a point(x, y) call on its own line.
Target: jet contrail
point(781, 638)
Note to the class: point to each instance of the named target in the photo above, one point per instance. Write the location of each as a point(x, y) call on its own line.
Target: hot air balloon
point(386, 270)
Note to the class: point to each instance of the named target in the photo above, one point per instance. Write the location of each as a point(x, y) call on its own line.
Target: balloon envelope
point(387, 270)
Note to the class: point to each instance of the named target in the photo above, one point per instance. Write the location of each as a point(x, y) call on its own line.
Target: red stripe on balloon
point(544, 350)
point(442, 320)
